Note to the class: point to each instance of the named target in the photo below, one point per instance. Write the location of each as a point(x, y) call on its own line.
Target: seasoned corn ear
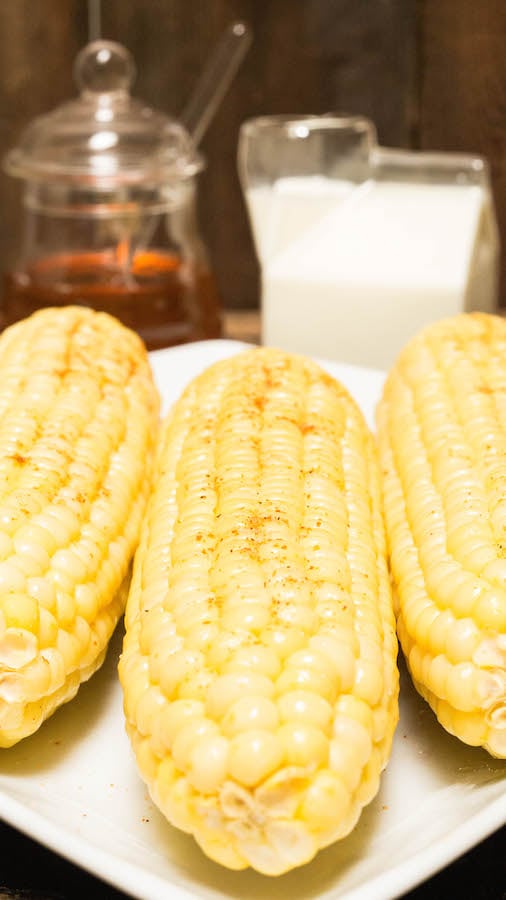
point(442, 438)
point(78, 419)
point(259, 662)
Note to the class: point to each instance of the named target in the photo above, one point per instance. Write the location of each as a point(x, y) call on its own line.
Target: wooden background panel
point(430, 73)
point(311, 56)
point(462, 81)
point(38, 43)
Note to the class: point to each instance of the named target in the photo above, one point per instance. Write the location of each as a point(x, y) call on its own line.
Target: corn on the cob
point(78, 419)
point(442, 436)
point(259, 662)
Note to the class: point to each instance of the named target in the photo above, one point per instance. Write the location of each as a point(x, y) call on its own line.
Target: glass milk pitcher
point(361, 246)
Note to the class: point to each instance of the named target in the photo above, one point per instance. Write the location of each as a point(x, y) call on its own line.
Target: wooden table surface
point(30, 872)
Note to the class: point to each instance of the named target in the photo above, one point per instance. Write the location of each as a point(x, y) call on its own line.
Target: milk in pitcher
point(350, 270)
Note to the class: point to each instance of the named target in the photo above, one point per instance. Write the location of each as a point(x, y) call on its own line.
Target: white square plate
point(74, 787)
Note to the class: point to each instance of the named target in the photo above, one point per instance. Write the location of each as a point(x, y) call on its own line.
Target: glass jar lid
point(104, 136)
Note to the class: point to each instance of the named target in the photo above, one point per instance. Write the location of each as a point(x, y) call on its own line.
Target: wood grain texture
point(430, 73)
point(310, 56)
point(38, 44)
point(462, 87)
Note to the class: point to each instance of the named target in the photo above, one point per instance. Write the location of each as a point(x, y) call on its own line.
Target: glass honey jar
point(110, 211)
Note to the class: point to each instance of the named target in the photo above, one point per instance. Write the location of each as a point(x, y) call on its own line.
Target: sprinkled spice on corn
point(78, 419)
point(442, 437)
point(259, 663)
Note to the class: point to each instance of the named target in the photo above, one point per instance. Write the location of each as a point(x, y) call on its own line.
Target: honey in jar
point(110, 211)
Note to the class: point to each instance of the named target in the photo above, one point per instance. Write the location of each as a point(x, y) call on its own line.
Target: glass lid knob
point(104, 67)
point(105, 134)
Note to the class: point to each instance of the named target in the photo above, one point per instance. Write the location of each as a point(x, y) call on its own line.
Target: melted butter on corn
point(259, 663)
point(78, 414)
point(442, 434)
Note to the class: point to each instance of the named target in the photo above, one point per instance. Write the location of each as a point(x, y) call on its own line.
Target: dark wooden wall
point(430, 73)
point(462, 88)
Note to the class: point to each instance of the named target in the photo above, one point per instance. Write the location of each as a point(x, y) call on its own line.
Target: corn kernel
point(226, 689)
point(251, 712)
point(306, 706)
point(304, 744)
point(254, 755)
point(20, 611)
point(189, 738)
